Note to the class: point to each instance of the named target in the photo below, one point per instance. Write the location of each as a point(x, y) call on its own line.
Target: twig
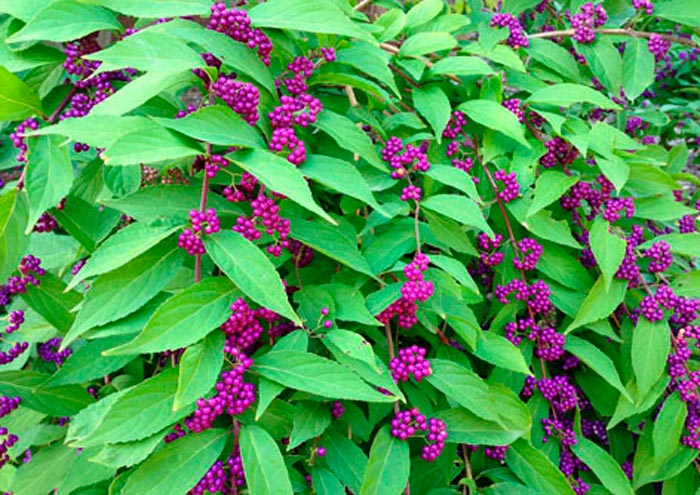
point(52, 118)
point(362, 5)
point(405, 76)
point(618, 32)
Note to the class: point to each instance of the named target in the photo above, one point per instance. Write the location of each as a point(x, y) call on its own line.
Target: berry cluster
point(243, 327)
point(646, 5)
point(415, 289)
point(235, 23)
point(405, 160)
point(511, 187)
point(559, 152)
point(489, 254)
point(410, 361)
point(659, 47)
point(406, 424)
point(203, 222)
point(550, 343)
point(615, 206)
point(17, 137)
point(7, 405)
point(217, 481)
point(530, 251)
point(265, 215)
point(535, 295)
point(337, 410)
point(517, 37)
point(514, 105)
point(660, 255)
point(243, 98)
point(48, 351)
point(584, 23)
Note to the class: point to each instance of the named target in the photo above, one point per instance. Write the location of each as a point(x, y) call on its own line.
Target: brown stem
point(61, 106)
point(362, 5)
point(467, 468)
point(618, 32)
point(404, 76)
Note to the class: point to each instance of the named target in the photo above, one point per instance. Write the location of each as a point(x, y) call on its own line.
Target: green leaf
point(651, 344)
point(265, 471)
point(461, 66)
point(66, 20)
point(432, 103)
point(48, 299)
point(97, 130)
point(13, 220)
point(216, 125)
point(183, 319)
point(456, 178)
point(49, 176)
point(311, 420)
point(637, 68)
point(122, 181)
point(341, 176)
point(459, 208)
point(554, 57)
point(17, 99)
point(330, 241)
point(668, 428)
point(122, 247)
point(457, 270)
point(158, 8)
point(122, 292)
point(325, 482)
point(614, 168)
point(155, 145)
point(163, 472)
point(550, 186)
point(280, 176)
point(608, 249)
point(349, 137)
point(371, 60)
point(118, 455)
point(678, 11)
point(685, 244)
point(352, 344)
point(595, 359)
point(315, 16)
point(347, 461)
point(199, 369)
point(603, 466)
point(423, 12)
point(424, 43)
point(86, 222)
point(252, 272)
point(494, 116)
point(389, 465)
point(566, 94)
point(463, 426)
point(350, 305)
point(148, 50)
point(137, 413)
point(316, 375)
point(605, 62)
point(87, 363)
point(500, 352)
point(36, 394)
point(599, 303)
point(535, 469)
point(49, 467)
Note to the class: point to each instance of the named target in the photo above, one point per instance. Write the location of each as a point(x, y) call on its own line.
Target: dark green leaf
point(651, 344)
point(18, 100)
point(604, 466)
point(199, 369)
point(86, 222)
point(596, 359)
point(668, 428)
point(494, 116)
point(311, 420)
point(371, 60)
point(464, 426)
point(678, 11)
point(118, 455)
point(155, 145)
point(325, 482)
point(456, 178)
point(499, 351)
point(423, 12)
point(536, 470)
point(459, 208)
point(554, 57)
point(97, 130)
point(605, 62)
point(252, 272)
point(347, 461)
point(424, 43)
point(550, 186)
point(159, 8)
point(13, 220)
point(389, 465)
point(461, 66)
point(349, 137)
point(432, 103)
point(599, 303)
point(49, 300)
point(608, 249)
point(637, 68)
point(265, 471)
point(37, 395)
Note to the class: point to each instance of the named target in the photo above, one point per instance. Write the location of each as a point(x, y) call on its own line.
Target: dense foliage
point(337, 247)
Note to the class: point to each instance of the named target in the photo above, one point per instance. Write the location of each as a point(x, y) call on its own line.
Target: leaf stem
point(618, 32)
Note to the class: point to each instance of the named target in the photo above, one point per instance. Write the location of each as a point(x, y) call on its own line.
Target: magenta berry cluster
point(517, 37)
point(266, 217)
point(48, 351)
point(242, 97)
point(644, 5)
point(405, 160)
point(530, 251)
point(411, 422)
point(410, 361)
point(559, 152)
point(586, 20)
point(203, 223)
point(415, 289)
point(236, 24)
point(511, 186)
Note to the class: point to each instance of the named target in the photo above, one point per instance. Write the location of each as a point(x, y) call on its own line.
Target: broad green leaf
point(183, 319)
point(463, 426)
point(316, 375)
point(459, 208)
point(330, 241)
point(199, 369)
point(139, 91)
point(554, 57)
point(280, 176)
point(66, 20)
point(668, 427)
point(139, 412)
point(149, 51)
point(311, 420)
point(216, 125)
point(501, 352)
point(350, 305)
point(595, 359)
point(678, 11)
point(424, 43)
point(371, 60)
point(543, 225)
point(615, 169)
point(456, 178)
point(122, 181)
point(392, 21)
point(608, 249)
point(349, 136)
point(457, 270)
point(599, 302)
point(97, 130)
point(432, 103)
point(604, 61)
point(49, 176)
point(684, 244)
point(49, 300)
point(118, 455)
point(389, 465)
point(603, 466)
point(88, 223)
point(550, 186)
point(347, 461)
point(23, 9)
point(315, 16)
point(265, 471)
point(49, 467)
point(461, 66)
point(122, 292)
point(626, 408)
point(156, 9)
point(155, 145)
point(535, 469)
point(662, 208)
point(566, 94)
point(352, 344)
point(494, 116)
point(17, 100)
point(87, 363)
point(13, 220)
point(122, 247)
point(173, 201)
point(252, 272)
point(341, 176)
point(651, 344)
point(637, 68)
point(326, 483)
point(36, 394)
point(423, 12)
point(165, 471)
